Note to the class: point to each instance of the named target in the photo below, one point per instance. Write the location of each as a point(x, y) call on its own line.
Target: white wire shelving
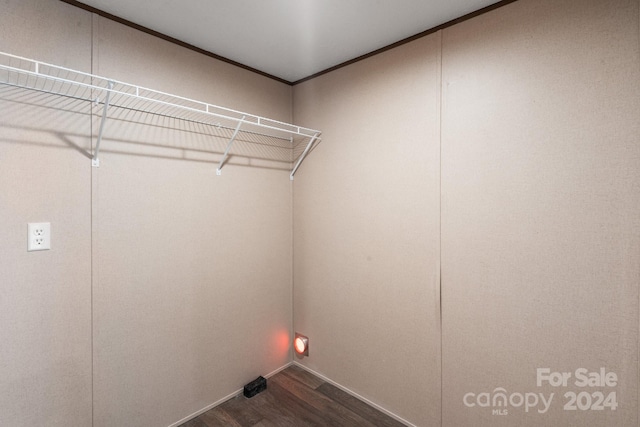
point(18, 72)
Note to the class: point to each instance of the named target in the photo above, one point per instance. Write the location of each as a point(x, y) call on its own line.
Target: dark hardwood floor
point(294, 398)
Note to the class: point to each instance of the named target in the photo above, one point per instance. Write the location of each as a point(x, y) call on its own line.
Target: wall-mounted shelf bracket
point(304, 154)
point(95, 161)
point(226, 152)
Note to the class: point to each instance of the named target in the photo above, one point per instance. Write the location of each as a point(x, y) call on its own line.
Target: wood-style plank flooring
point(294, 398)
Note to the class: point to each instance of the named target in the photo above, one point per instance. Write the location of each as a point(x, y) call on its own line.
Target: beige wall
point(541, 206)
point(366, 229)
point(45, 297)
point(192, 271)
point(540, 216)
point(181, 279)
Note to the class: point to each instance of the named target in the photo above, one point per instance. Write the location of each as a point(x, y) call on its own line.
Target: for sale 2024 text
point(593, 393)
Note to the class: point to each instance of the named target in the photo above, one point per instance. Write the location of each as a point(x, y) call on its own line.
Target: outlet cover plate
point(39, 236)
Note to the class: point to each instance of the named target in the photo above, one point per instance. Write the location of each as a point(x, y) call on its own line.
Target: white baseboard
point(224, 399)
point(356, 395)
point(317, 374)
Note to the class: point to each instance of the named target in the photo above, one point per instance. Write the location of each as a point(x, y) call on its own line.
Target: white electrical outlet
point(39, 238)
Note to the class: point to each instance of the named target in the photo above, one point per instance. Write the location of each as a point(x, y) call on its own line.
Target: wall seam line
point(293, 260)
point(293, 230)
point(91, 255)
point(440, 33)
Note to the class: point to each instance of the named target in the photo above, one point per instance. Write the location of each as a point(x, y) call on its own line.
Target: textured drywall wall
point(366, 229)
point(540, 219)
point(192, 279)
point(45, 297)
point(181, 279)
point(541, 212)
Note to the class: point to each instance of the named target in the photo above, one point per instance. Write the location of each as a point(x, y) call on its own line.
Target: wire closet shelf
point(24, 73)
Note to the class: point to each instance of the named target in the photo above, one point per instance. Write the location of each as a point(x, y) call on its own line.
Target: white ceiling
point(289, 39)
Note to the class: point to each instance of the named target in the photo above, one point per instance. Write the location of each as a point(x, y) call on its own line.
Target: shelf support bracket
point(304, 154)
point(226, 152)
point(95, 161)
